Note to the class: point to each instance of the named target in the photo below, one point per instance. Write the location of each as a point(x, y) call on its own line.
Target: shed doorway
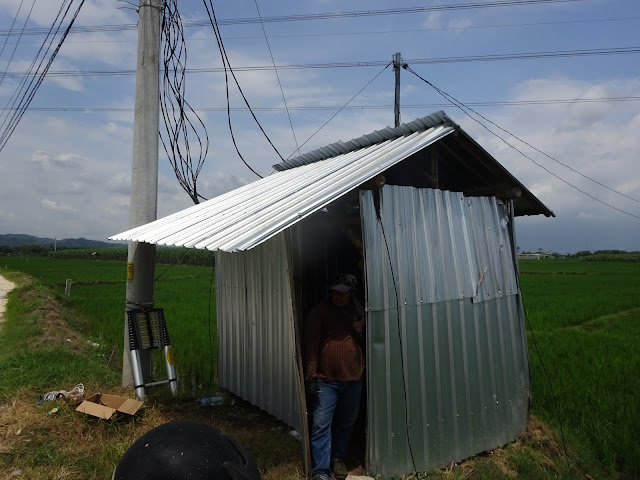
point(324, 245)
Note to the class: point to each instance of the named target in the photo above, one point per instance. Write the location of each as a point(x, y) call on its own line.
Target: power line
point(374, 63)
point(322, 16)
point(342, 108)
point(36, 79)
point(5, 40)
point(368, 32)
point(462, 107)
point(496, 103)
point(227, 65)
point(216, 31)
point(177, 116)
point(4, 74)
point(277, 75)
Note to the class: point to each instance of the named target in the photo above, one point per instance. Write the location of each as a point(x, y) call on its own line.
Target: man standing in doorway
point(334, 370)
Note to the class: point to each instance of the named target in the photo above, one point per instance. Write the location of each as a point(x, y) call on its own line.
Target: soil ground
point(5, 287)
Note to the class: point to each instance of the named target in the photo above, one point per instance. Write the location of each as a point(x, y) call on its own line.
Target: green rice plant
point(612, 257)
point(98, 294)
point(116, 253)
point(164, 255)
point(585, 319)
point(559, 293)
point(54, 272)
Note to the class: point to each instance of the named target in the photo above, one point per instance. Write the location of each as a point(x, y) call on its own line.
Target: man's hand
point(312, 391)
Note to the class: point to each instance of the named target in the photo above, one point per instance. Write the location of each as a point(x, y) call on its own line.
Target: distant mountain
point(17, 239)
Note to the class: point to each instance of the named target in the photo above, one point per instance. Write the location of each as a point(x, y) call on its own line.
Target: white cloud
point(433, 20)
point(120, 183)
point(6, 218)
point(57, 206)
point(60, 161)
point(460, 22)
point(585, 215)
point(73, 188)
point(72, 83)
point(99, 48)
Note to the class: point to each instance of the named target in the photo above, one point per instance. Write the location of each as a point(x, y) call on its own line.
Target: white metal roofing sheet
point(247, 216)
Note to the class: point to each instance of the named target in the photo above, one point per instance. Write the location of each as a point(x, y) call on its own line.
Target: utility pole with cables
point(144, 179)
point(397, 65)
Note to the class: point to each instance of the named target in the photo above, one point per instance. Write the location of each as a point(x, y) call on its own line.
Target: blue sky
point(67, 173)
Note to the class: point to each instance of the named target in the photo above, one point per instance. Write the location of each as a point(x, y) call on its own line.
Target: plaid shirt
point(331, 352)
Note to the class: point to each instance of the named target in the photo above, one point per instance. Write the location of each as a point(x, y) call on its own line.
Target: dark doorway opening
point(324, 245)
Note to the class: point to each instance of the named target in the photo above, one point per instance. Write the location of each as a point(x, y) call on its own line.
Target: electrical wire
point(342, 108)
point(228, 69)
point(176, 111)
point(462, 107)
point(218, 36)
point(22, 83)
point(187, 24)
point(402, 364)
point(633, 50)
point(326, 15)
point(278, 76)
point(19, 38)
point(421, 106)
point(550, 157)
point(36, 79)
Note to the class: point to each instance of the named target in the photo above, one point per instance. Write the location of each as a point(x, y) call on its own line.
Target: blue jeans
point(333, 419)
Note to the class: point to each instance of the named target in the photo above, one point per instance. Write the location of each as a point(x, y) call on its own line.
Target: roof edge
point(390, 133)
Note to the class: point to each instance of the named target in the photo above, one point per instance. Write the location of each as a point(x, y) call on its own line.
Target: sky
point(65, 170)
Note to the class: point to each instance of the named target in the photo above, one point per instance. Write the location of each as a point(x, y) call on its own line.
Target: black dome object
point(185, 449)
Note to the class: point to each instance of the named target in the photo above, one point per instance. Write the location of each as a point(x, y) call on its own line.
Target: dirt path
point(5, 287)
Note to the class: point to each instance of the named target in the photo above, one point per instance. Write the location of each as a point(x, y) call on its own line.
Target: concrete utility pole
point(144, 176)
point(397, 65)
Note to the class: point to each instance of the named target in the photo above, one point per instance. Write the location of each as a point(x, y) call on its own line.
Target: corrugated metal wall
point(256, 336)
point(445, 328)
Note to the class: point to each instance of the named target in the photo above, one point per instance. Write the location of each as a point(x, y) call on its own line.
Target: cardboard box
point(103, 405)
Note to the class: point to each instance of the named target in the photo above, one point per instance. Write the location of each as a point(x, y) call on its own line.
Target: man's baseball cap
point(345, 282)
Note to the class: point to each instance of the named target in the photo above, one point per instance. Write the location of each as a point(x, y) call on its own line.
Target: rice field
point(583, 324)
point(185, 292)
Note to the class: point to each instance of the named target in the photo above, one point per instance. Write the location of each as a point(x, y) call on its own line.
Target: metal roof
point(389, 133)
point(249, 215)
point(243, 218)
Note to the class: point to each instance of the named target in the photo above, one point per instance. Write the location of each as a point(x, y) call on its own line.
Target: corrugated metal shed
point(447, 371)
point(445, 332)
point(245, 217)
point(256, 336)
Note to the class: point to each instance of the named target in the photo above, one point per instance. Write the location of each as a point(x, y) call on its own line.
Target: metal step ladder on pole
point(148, 331)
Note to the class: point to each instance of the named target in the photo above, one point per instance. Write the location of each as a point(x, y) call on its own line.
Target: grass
point(583, 317)
point(98, 294)
point(46, 347)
